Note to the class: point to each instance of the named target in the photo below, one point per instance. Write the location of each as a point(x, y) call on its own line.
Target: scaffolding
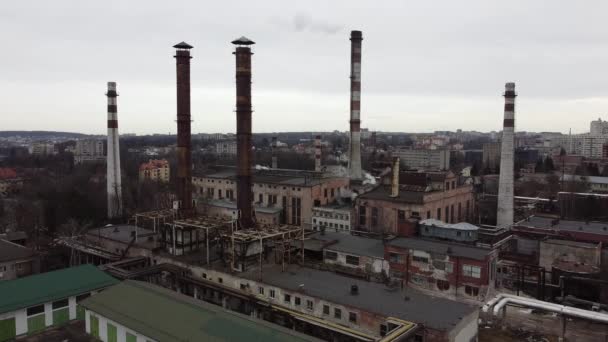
point(157, 218)
point(248, 243)
point(211, 226)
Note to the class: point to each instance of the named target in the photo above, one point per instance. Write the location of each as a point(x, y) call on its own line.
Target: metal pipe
point(557, 308)
point(184, 141)
point(114, 188)
point(244, 195)
point(354, 160)
point(505, 182)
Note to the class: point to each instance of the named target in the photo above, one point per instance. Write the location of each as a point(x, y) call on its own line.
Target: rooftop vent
point(354, 290)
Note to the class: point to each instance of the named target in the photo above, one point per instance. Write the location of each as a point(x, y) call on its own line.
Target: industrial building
point(424, 195)
point(155, 170)
point(35, 303)
point(16, 261)
point(295, 192)
point(491, 156)
point(226, 148)
point(336, 217)
point(136, 311)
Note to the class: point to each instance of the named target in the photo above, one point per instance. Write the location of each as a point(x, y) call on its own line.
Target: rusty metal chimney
point(354, 160)
point(244, 195)
point(318, 153)
point(184, 154)
point(504, 217)
point(395, 179)
point(273, 148)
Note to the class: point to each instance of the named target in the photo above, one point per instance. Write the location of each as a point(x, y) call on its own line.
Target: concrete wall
point(121, 330)
point(18, 268)
point(551, 251)
point(366, 264)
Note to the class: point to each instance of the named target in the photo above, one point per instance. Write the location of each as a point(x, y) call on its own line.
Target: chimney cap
point(183, 45)
point(243, 41)
point(355, 34)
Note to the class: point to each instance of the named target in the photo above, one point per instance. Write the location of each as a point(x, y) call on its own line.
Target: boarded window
point(331, 255)
point(352, 260)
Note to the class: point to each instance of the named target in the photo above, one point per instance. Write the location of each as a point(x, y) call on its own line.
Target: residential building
point(491, 156)
point(41, 148)
point(424, 159)
point(122, 313)
point(32, 304)
point(424, 195)
point(296, 192)
point(16, 261)
point(599, 127)
point(226, 148)
point(450, 269)
point(89, 151)
point(332, 217)
point(156, 170)
point(593, 183)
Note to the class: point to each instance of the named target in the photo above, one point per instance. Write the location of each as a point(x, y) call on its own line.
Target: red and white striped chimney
point(354, 160)
point(113, 156)
point(504, 217)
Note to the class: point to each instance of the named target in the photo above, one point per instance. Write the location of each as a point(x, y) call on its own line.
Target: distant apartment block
point(226, 148)
point(156, 170)
point(89, 151)
point(39, 148)
point(424, 159)
point(491, 156)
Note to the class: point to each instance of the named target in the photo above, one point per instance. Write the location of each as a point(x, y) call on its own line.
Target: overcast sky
point(426, 65)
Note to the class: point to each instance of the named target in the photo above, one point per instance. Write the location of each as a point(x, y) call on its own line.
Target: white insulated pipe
point(502, 300)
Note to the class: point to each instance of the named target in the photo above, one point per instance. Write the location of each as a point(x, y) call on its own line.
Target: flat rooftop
point(434, 246)
point(11, 251)
point(383, 192)
point(406, 304)
point(541, 222)
point(347, 243)
point(302, 178)
point(124, 233)
point(166, 315)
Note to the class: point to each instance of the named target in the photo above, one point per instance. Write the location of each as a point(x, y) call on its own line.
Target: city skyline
point(424, 67)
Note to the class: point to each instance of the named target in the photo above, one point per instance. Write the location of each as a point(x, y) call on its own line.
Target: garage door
point(8, 329)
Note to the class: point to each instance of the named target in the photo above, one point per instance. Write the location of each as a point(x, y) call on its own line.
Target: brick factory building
point(420, 195)
point(294, 191)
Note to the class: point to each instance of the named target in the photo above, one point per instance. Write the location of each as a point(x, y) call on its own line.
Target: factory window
point(219, 193)
point(449, 267)
point(325, 193)
point(287, 298)
point(447, 214)
point(326, 309)
point(447, 186)
point(452, 214)
point(331, 225)
point(60, 304)
point(220, 280)
point(362, 215)
point(471, 271)
point(297, 300)
point(34, 310)
point(332, 192)
point(261, 198)
point(314, 220)
point(374, 217)
point(453, 184)
point(415, 214)
point(261, 290)
point(458, 234)
point(420, 259)
point(309, 304)
point(298, 189)
point(317, 203)
point(337, 313)
point(341, 226)
point(471, 290)
point(466, 211)
point(331, 255)
point(459, 212)
point(439, 213)
point(428, 214)
point(271, 293)
point(395, 258)
point(244, 286)
point(204, 275)
point(352, 260)
point(352, 317)
point(401, 215)
point(443, 285)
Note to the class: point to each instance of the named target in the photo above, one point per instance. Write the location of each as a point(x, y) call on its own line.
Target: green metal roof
point(167, 316)
point(51, 286)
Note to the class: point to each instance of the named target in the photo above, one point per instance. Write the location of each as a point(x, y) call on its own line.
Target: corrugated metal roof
point(166, 315)
point(51, 286)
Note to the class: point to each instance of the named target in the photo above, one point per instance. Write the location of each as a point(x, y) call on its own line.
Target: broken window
point(326, 309)
point(297, 300)
point(443, 285)
point(337, 313)
point(309, 304)
point(471, 290)
point(352, 317)
point(331, 255)
point(287, 298)
point(352, 260)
